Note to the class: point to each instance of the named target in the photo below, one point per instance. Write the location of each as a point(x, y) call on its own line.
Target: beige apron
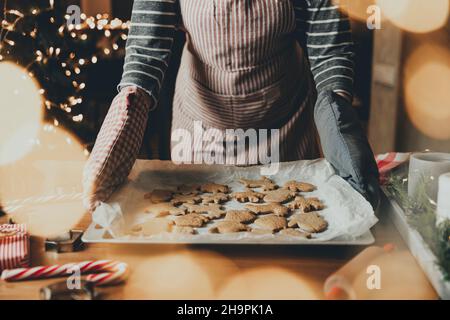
point(242, 68)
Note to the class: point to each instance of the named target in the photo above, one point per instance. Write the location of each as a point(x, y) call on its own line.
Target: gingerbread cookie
point(180, 199)
point(298, 186)
point(159, 195)
point(214, 188)
point(295, 233)
point(271, 222)
point(216, 198)
point(265, 183)
point(279, 196)
point(228, 227)
point(135, 230)
point(310, 222)
point(184, 230)
point(164, 208)
point(191, 220)
point(189, 189)
point(242, 216)
point(306, 204)
point(275, 208)
point(212, 211)
point(154, 226)
point(248, 196)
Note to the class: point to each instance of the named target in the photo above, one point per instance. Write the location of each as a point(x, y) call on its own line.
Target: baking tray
point(94, 235)
point(147, 175)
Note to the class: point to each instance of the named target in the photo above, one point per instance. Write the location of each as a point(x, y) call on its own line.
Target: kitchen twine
point(107, 272)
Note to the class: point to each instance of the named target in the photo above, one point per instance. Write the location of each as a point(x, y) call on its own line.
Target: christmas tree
point(41, 37)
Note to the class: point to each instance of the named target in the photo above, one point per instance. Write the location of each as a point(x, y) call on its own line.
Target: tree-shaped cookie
point(228, 227)
point(248, 196)
point(164, 208)
point(298, 186)
point(310, 222)
point(306, 204)
point(216, 198)
point(179, 199)
point(212, 211)
point(271, 222)
point(279, 195)
point(264, 183)
point(191, 220)
point(242, 216)
point(275, 208)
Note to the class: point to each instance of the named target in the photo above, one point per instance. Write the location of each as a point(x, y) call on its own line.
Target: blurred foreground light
point(270, 283)
point(426, 90)
point(401, 279)
point(418, 16)
point(356, 9)
point(179, 275)
point(42, 190)
point(20, 112)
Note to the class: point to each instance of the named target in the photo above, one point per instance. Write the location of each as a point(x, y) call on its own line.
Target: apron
point(242, 68)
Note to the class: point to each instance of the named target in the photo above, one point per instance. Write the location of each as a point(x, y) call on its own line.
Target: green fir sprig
point(421, 214)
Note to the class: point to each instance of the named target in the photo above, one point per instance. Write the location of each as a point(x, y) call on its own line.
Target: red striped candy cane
point(106, 272)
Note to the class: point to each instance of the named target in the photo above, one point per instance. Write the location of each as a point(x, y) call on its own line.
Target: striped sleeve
point(149, 45)
point(325, 34)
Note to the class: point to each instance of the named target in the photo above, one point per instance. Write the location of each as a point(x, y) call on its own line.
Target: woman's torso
point(241, 67)
point(243, 46)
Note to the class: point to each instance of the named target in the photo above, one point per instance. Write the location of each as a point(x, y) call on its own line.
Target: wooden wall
point(390, 128)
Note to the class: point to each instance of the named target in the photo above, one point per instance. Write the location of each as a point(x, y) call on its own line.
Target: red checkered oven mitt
point(117, 145)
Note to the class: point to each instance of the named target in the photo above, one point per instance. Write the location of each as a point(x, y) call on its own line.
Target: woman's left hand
point(345, 145)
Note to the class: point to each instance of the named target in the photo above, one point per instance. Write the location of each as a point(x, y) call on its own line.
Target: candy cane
point(108, 278)
point(11, 206)
point(111, 272)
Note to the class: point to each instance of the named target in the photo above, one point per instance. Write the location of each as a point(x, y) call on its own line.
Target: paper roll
point(443, 204)
point(339, 286)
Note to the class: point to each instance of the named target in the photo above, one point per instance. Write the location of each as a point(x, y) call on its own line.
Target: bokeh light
point(20, 112)
point(269, 283)
point(52, 170)
point(179, 275)
point(426, 90)
point(416, 15)
point(356, 9)
point(401, 278)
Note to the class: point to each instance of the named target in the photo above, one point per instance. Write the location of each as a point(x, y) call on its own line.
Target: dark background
point(102, 78)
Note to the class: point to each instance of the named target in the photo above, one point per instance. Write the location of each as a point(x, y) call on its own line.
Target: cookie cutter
point(61, 291)
point(67, 242)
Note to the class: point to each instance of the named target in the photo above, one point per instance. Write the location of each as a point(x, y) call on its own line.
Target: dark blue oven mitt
point(345, 145)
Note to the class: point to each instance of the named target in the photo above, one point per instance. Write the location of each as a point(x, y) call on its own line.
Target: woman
point(241, 67)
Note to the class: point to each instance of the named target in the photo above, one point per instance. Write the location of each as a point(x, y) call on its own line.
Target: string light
point(78, 31)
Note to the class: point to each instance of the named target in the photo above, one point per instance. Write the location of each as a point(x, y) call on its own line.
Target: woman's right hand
point(117, 145)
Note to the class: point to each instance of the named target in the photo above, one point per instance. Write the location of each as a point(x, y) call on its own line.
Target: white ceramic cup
point(429, 166)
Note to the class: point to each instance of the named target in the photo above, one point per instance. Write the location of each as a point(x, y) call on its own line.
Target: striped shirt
point(322, 30)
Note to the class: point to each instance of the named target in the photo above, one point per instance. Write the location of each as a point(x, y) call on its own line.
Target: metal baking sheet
point(93, 235)
point(349, 215)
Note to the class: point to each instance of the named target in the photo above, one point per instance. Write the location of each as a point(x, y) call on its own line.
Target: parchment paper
point(349, 215)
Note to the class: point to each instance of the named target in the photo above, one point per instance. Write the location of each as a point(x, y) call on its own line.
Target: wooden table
point(177, 271)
